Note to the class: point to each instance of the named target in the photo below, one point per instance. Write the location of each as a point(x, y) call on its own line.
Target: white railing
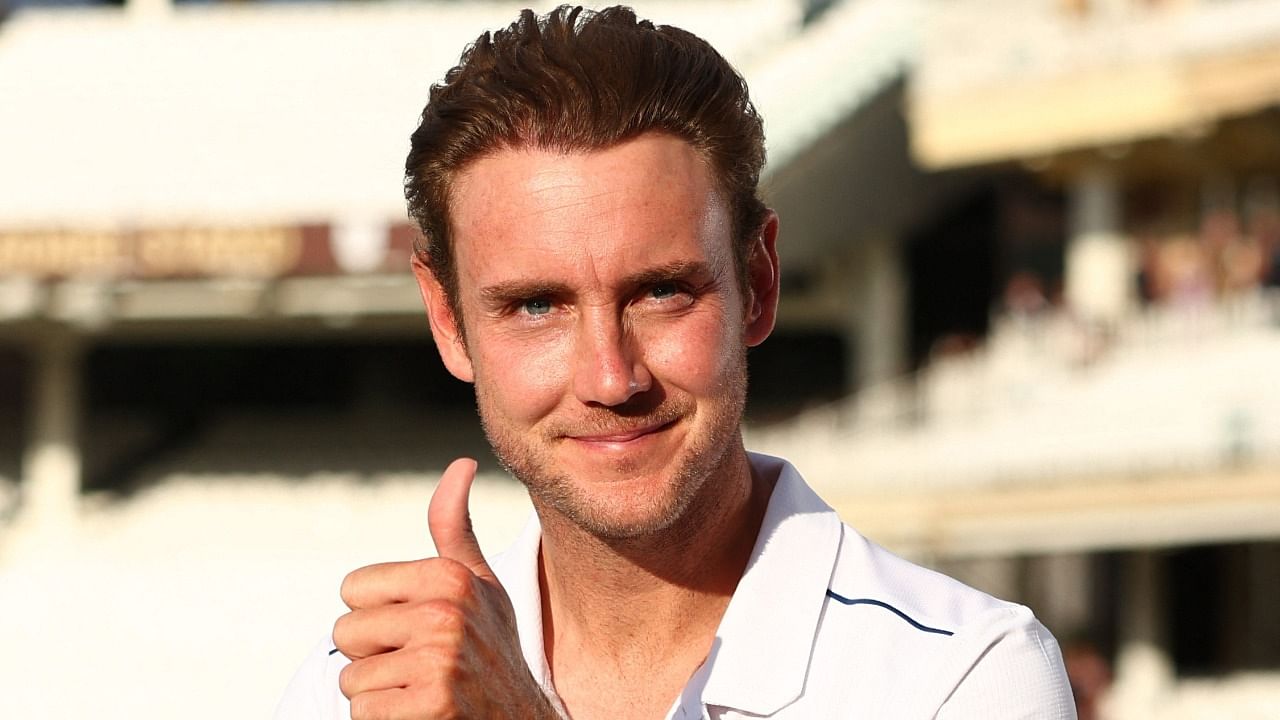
point(1167, 390)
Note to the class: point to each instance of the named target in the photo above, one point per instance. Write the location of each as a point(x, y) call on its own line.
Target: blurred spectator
point(1233, 252)
point(1236, 259)
point(1263, 227)
point(1148, 268)
point(953, 344)
point(1089, 674)
point(1024, 294)
point(1183, 275)
point(1075, 8)
point(1271, 278)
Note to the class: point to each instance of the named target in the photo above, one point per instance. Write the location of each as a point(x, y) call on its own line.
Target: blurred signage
point(267, 251)
point(402, 238)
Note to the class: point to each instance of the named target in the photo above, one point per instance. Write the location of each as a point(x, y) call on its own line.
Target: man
point(597, 263)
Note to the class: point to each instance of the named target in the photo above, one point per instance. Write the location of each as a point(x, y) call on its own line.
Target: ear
point(444, 326)
point(762, 278)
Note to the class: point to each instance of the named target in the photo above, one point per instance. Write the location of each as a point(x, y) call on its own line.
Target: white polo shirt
point(823, 624)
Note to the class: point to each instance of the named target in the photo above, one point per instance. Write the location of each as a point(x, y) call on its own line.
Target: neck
point(641, 599)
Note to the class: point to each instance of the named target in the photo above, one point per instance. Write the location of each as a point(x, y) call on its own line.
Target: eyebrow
point(677, 270)
point(512, 290)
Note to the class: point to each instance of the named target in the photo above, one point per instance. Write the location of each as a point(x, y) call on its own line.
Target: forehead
point(643, 201)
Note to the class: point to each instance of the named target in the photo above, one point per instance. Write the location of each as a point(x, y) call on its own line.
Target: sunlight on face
point(604, 325)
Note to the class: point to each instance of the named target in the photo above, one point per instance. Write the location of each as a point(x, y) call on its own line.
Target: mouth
point(622, 437)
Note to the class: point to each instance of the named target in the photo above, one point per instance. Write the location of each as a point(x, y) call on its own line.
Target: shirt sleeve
point(313, 692)
point(1009, 670)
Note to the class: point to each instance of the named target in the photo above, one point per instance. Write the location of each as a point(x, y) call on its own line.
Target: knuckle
point(454, 578)
point(442, 705)
point(446, 616)
point(456, 672)
point(440, 662)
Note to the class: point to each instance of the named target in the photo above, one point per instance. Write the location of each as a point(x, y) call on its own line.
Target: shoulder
point(921, 599)
point(927, 640)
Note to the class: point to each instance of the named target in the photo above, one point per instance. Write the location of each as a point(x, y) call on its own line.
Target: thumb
point(449, 519)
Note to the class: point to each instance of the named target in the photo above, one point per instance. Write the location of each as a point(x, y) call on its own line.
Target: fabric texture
point(823, 624)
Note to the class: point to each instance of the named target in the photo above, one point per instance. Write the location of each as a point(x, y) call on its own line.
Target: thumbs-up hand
point(436, 638)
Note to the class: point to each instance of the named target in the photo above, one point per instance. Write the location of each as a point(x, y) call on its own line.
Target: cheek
point(696, 355)
point(522, 379)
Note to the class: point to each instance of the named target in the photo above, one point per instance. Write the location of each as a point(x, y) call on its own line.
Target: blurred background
point(1030, 332)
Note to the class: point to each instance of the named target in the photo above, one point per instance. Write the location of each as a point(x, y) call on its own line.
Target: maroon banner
point(248, 251)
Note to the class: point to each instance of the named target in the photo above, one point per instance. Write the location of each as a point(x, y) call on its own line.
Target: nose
point(608, 368)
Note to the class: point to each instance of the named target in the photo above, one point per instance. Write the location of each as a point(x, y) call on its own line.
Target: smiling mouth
point(625, 436)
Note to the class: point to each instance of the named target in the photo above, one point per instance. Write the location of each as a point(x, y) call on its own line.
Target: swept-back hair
point(575, 80)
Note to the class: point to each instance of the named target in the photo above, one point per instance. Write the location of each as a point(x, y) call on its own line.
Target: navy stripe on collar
point(890, 608)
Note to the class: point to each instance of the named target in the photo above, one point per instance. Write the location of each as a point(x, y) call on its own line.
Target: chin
point(624, 509)
point(668, 484)
point(626, 501)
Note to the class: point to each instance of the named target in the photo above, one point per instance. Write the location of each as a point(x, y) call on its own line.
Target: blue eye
point(536, 306)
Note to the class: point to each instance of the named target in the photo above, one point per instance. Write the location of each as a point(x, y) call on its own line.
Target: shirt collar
point(762, 649)
point(760, 656)
point(517, 569)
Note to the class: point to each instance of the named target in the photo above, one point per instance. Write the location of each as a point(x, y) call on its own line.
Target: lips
point(622, 436)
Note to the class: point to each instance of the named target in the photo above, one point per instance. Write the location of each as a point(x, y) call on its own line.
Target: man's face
point(605, 327)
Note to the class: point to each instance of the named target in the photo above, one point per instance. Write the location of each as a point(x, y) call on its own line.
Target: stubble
point(677, 499)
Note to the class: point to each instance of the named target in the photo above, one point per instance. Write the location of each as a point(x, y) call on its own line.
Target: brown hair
point(576, 80)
